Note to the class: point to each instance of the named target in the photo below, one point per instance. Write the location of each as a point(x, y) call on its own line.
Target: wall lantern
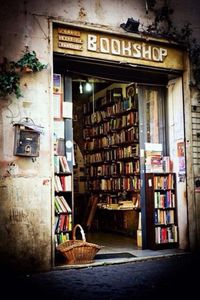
point(131, 25)
point(27, 138)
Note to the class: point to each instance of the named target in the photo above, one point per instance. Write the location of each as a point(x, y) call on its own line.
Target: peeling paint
point(46, 182)
point(18, 215)
point(13, 168)
point(82, 13)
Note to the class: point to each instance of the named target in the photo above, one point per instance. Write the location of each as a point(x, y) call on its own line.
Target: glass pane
point(154, 115)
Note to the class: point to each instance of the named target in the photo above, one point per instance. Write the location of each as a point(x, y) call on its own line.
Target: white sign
point(122, 47)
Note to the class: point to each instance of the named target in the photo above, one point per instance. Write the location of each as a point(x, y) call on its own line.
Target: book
point(66, 183)
point(58, 208)
point(56, 164)
point(64, 166)
point(57, 184)
point(65, 204)
point(60, 203)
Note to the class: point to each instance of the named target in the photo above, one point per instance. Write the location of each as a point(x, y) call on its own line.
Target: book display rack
point(62, 198)
point(162, 229)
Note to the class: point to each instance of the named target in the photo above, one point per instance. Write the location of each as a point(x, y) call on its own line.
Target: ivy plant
point(163, 26)
point(9, 80)
point(30, 60)
point(11, 72)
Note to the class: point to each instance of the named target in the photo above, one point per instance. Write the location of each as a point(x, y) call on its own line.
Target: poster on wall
point(181, 160)
point(180, 149)
point(57, 106)
point(56, 83)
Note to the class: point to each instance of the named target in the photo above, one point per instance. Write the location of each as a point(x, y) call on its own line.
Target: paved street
point(158, 278)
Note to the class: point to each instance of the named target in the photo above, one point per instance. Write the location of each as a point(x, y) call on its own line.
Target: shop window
point(154, 115)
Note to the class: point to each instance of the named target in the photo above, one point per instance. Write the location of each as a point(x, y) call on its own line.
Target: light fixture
point(88, 87)
point(131, 25)
point(80, 88)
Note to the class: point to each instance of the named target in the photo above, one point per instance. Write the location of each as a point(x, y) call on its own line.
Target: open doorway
point(115, 113)
point(107, 163)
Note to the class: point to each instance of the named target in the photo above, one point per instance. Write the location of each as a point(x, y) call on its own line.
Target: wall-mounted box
point(27, 141)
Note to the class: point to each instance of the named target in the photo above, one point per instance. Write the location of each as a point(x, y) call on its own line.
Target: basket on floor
point(78, 251)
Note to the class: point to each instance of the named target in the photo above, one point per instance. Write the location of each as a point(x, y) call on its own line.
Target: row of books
point(164, 199)
point(164, 216)
point(61, 238)
point(61, 164)
point(109, 200)
point(164, 182)
point(120, 205)
point(61, 205)
point(63, 183)
point(113, 124)
point(63, 223)
point(117, 138)
point(108, 155)
point(122, 183)
point(120, 167)
point(111, 111)
point(155, 162)
point(113, 96)
point(166, 234)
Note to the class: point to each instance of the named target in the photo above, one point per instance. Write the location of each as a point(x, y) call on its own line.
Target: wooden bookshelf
point(161, 206)
point(111, 149)
point(62, 199)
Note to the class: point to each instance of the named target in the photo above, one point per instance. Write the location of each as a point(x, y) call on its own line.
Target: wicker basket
point(78, 251)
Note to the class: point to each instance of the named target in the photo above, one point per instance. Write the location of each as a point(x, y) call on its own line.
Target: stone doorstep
point(112, 261)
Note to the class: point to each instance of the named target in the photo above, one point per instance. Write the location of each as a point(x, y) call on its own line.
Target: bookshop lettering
point(123, 176)
point(101, 45)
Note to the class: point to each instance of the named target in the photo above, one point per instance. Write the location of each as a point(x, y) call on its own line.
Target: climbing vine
point(163, 26)
point(11, 71)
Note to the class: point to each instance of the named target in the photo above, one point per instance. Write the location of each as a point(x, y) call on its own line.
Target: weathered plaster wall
point(176, 135)
point(25, 183)
point(25, 187)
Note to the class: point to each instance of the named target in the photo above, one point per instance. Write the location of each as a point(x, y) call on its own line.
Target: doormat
point(114, 255)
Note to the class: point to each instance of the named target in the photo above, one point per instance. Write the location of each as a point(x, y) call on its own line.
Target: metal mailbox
point(27, 140)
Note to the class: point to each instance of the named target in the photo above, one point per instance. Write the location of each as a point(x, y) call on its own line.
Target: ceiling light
point(88, 87)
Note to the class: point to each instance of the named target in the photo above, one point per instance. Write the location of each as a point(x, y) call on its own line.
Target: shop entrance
point(117, 113)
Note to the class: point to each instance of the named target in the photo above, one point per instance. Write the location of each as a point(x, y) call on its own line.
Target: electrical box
point(27, 141)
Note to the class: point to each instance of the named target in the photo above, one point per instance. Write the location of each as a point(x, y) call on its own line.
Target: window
point(154, 117)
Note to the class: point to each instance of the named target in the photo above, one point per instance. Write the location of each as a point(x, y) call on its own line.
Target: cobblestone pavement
point(158, 278)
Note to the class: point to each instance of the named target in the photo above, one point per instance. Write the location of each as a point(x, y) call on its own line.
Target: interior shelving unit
point(161, 206)
point(111, 155)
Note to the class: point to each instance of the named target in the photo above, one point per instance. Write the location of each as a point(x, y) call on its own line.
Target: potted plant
point(9, 80)
point(29, 62)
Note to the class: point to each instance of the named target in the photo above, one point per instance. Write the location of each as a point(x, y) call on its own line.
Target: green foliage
point(162, 23)
point(9, 80)
point(10, 83)
point(10, 77)
point(194, 52)
point(163, 27)
point(30, 60)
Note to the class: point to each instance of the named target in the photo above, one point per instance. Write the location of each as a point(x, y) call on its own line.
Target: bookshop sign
point(113, 47)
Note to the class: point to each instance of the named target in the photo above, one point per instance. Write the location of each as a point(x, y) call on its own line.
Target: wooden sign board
point(101, 45)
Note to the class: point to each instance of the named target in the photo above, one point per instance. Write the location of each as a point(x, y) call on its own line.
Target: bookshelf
point(62, 198)
point(162, 228)
point(111, 152)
